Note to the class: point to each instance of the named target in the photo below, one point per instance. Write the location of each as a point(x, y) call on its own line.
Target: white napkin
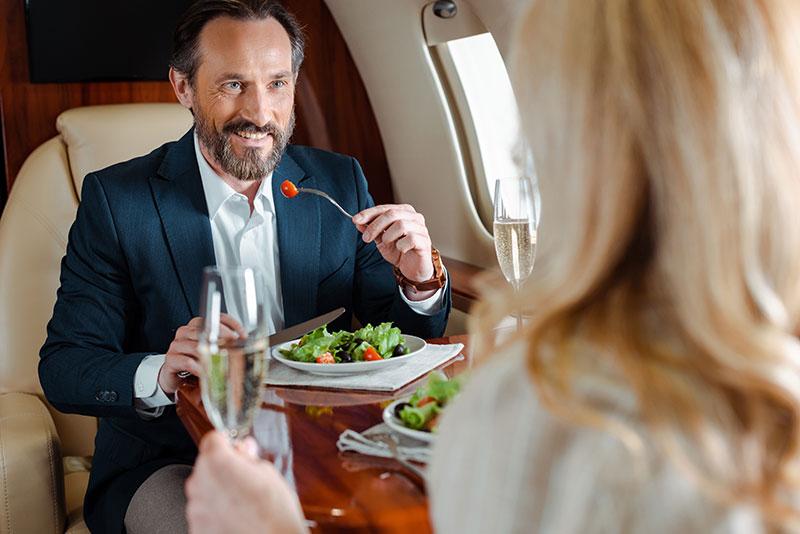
point(408, 447)
point(392, 379)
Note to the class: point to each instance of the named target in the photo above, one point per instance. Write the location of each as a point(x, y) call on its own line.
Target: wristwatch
point(437, 281)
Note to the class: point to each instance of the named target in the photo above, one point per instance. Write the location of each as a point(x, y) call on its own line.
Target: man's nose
point(258, 106)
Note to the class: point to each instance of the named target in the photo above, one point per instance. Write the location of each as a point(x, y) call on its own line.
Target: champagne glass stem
point(518, 313)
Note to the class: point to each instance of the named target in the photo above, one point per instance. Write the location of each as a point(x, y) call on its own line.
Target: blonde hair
point(667, 143)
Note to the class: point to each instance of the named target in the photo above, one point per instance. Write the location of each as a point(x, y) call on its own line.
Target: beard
point(251, 166)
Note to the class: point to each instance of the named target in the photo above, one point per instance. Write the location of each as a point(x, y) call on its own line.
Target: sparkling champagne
point(515, 245)
point(234, 372)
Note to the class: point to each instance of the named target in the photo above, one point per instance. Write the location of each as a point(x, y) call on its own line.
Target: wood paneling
point(333, 110)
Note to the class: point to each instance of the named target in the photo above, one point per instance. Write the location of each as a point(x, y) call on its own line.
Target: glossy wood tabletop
point(298, 429)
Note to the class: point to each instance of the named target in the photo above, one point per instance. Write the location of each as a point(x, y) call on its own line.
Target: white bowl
point(396, 424)
point(414, 344)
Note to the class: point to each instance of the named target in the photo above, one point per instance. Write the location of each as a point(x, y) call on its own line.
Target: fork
point(323, 194)
point(391, 442)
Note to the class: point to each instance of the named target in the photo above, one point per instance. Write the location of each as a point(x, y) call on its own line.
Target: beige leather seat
point(44, 455)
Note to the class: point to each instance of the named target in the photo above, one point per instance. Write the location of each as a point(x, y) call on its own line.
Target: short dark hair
point(187, 33)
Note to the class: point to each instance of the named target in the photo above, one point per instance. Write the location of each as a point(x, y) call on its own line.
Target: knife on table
point(293, 332)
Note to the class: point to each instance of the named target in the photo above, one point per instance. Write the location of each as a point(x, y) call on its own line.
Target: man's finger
point(412, 242)
point(180, 362)
point(185, 347)
point(192, 333)
point(381, 223)
point(403, 228)
point(364, 217)
point(233, 326)
point(189, 333)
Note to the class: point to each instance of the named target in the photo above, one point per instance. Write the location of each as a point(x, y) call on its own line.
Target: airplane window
point(489, 118)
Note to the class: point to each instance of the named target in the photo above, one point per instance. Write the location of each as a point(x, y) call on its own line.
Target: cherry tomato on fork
point(371, 355)
point(288, 189)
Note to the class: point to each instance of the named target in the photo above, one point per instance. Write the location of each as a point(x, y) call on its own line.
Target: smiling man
point(126, 318)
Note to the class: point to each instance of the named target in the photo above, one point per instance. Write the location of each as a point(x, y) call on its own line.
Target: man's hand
point(402, 238)
point(182, 355)
point(231, 490)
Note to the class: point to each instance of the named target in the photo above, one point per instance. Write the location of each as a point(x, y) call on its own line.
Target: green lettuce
point(384, 338)
point(311, 345)
point(416, 418)
point(438, 387)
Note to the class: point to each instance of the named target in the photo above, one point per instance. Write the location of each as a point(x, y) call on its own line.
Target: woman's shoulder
point(503, 462)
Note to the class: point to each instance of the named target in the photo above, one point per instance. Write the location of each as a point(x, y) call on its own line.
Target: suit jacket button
point(112, 396)
point(99, 396)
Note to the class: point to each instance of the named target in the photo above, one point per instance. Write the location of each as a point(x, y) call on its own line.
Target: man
point(125, 322)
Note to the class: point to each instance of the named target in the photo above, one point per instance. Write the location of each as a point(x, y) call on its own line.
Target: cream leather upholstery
point(35, 495)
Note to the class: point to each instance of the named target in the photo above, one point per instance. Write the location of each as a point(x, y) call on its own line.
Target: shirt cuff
point(431, 305)
point(149, 398)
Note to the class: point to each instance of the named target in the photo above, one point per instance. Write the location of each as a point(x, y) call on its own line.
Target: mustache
point(248, 127)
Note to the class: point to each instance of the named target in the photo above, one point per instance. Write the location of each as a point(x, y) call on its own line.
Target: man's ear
point(182, 87)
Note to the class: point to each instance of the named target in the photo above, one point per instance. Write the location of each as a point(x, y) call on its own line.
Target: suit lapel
point(298, 222)
point(181, 203)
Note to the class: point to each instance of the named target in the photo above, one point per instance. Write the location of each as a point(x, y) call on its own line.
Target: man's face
point(243, 95)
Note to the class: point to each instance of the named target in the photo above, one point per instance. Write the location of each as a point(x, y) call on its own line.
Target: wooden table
point(298, 428)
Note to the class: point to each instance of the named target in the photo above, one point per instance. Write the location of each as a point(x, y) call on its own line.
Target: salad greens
point(423, 408)
point(367, 343)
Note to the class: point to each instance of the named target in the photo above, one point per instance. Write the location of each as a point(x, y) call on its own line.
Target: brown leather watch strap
point(437, 281)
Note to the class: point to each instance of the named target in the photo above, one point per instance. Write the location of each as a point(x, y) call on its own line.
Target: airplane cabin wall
point(419, 130)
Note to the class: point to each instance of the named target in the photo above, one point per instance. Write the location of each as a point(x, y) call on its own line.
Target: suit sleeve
point(83, 367)
point(376, 297)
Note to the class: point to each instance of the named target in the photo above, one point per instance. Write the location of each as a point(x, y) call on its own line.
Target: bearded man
point(126, 319)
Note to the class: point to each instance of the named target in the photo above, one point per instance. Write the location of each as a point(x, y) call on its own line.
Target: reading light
point(445, 9)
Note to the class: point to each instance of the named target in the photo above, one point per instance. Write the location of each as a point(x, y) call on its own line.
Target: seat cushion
point(99, 136)
point(74, 490)
point(76, 525)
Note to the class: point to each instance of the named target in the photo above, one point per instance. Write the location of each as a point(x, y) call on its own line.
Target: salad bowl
point(414, 344)
point(397, 425)
point(417, 416)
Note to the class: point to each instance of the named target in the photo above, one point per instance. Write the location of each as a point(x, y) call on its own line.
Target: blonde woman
point(657, 386)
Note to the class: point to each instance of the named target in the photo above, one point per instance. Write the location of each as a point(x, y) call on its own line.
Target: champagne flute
point(515, 226)
point(233, 346)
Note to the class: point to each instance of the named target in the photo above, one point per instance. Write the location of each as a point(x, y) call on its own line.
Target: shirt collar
point(217, 191)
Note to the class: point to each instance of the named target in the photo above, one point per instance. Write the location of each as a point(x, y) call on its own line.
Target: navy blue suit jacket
point(132, 274)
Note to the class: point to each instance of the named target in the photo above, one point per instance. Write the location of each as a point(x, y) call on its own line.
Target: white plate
point(397, 425)
point(414, 344)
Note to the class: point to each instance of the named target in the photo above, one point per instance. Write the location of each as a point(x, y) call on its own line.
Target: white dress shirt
point(245, 239)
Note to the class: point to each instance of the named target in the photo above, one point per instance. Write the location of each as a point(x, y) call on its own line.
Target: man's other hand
point(183, 356)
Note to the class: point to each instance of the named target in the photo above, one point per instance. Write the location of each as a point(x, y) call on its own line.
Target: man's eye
point(234, 86)
point(279, 83)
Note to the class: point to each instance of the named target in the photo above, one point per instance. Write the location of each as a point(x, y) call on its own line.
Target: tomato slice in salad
point(288, 189)
point(371, 355)
point(326, 358)
point(426, 400)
